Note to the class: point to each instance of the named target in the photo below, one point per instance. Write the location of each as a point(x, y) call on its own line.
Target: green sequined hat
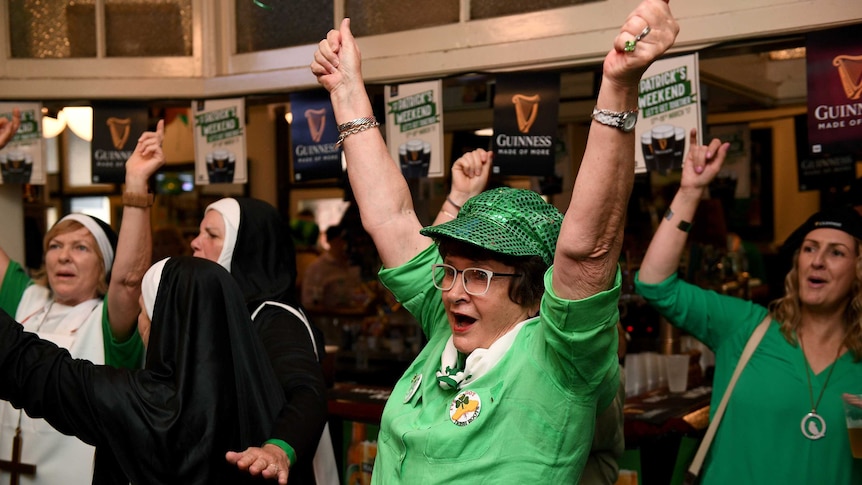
point(509, 221)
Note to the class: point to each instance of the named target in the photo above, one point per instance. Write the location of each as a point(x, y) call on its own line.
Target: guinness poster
point(668, 108)
point(834, 76)
point(22, 160)
point(219, 128)
point(313, 134)
point(116, 130)
point(526, 111)
point(414, 127)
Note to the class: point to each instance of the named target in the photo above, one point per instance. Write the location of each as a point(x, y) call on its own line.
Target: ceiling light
point(52, 127)
point(80, 121)
point(787, 54)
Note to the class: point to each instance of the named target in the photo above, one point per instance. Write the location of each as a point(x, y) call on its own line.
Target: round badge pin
point(415, 382)
point(465, 408)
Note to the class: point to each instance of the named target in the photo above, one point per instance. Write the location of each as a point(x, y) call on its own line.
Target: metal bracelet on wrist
point(357, 122)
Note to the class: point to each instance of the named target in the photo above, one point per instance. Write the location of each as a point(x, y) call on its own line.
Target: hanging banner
point(526, 112)
point(116, 129)
point(834, 76)
point(219, 127)
point(734, 179)
point(414, 127)
point(313, 133)
point(22, 160)
point(668, 108)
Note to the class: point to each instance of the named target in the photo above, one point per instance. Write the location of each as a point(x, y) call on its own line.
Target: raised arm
point(469, 177)
point(592, 232)
point(135, 243)
point(384, 200)
point(699, 169)
point(8, 127)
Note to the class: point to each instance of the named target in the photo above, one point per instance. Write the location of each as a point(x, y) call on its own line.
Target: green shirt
point(537, 406)
point(128, 354)
point(759, 439)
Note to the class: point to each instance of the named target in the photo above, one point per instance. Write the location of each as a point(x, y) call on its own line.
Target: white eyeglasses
point(476, 281)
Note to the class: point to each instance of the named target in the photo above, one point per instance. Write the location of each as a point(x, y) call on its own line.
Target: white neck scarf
point(479, 362)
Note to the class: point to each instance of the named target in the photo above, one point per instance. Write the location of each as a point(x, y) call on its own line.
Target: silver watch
point(622, 120)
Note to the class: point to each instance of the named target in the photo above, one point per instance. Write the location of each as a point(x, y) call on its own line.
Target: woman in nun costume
point(206, 387)
point(248, 237)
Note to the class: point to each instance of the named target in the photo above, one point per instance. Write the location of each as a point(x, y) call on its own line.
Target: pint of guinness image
point(415, 158)
point(16, 167)
point(220, 166)
point(663, 140)
point(646, 148)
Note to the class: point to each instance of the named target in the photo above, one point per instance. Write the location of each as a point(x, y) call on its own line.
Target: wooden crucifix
point(15, 467)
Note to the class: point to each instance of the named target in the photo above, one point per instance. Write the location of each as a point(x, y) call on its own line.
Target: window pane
point(39, 28)
point(133, 28)
point(155, 28)
point(372, 17)
point(273, 24)
point(483, 9)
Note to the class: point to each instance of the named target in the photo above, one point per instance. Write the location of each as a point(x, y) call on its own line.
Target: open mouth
point(462, 322)
point(816, 281)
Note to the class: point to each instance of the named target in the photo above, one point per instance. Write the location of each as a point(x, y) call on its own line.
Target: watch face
point(629, 121)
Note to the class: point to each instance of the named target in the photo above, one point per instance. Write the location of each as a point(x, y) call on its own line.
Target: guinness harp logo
point(120, 129)
point(316, 119)
point(526, 109)
point(850, 72)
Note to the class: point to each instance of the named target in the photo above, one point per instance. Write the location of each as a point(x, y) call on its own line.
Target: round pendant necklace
point(813, 425)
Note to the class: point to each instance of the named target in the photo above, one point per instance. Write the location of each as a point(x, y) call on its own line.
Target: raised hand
point(624, 66)
point(338, 63)
point(702, 163)
point(8, 127)
point(147, 158)
point(470, 175)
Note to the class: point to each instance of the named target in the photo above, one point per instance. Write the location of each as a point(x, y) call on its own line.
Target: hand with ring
point(269, 461)
point(631, 44)
point(647, 33)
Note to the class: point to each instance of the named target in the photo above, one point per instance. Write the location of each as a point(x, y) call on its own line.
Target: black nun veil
point(264, 260)
point(207, 387)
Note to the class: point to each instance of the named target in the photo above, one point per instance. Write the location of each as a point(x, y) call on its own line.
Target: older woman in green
point(519, 304)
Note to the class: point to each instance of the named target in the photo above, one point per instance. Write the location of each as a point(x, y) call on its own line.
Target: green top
point(529, 419)
point(128, 354)
point(760, 438)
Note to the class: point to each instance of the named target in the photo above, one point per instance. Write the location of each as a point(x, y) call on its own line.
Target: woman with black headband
point(85, 299)
point(784, 420)
point(206, 387)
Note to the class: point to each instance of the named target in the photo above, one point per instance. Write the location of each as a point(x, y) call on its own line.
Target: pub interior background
point(167, 54)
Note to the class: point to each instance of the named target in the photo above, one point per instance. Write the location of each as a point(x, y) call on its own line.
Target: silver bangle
point(355, 126)
point(358, 121)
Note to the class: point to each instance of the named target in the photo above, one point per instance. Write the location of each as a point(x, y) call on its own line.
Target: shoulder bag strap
point(753, 342)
